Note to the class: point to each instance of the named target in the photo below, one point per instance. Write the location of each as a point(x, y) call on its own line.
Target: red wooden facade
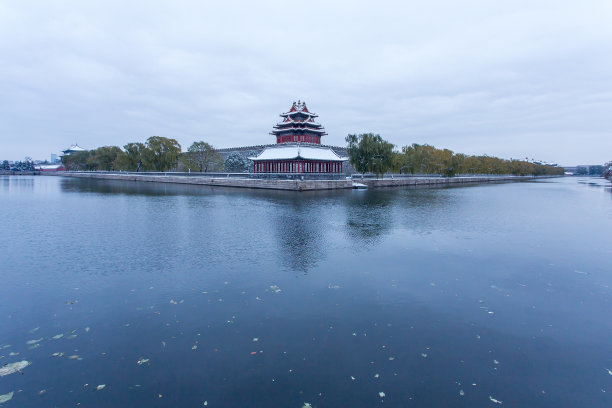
point(297, 166)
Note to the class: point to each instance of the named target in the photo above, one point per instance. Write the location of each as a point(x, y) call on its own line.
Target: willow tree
point(161, 153)
point(369, 153)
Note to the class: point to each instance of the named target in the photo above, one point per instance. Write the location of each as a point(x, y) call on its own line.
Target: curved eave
point(303, 124)
point(299, 152)
point(339, 159)
point(312, 115)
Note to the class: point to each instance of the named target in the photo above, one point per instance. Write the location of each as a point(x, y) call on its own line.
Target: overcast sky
point(511, 79)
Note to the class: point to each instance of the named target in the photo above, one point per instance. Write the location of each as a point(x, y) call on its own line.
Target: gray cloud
point(511, 79)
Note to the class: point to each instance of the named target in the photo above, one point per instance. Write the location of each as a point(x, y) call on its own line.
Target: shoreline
point(296, 185)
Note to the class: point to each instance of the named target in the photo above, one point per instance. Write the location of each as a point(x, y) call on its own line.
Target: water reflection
point(501, 308)
point(17, 184)
point(299, 233)
point(368, 216)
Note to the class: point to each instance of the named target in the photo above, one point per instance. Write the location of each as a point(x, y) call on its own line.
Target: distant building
point(53, 158)
point(73, 149)
point(50, 167)
point(298, 146)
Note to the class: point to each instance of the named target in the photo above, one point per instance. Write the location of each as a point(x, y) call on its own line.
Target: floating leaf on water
point(142, 361)
point(58, 336)
point(194, 347)
point(6, 397)
point(34, 330)
point(87, 329)
point(495, 400)
point(12, 353)
point(306, 405)
point(461, 393)
point(34, 341)
point(275, 289)
point(609, 371)
point(255, 339)
point(75, 357)
point(34, 346)
point(424, 355)
point(391, 358)
point(495, 362)
point(352, 378)
point(205, 403)
point(13, 367)
point(333, 286)
point(57, 354)
point(72, 336)
point(381, 394)
point(100, 387)
point(173, 302)
point(41, 392)
point(376, 375)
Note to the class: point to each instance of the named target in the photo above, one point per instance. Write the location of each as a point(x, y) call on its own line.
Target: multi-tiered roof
point(298, 149)
point(298, 125)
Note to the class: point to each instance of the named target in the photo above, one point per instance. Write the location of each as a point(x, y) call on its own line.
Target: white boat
point(359, 186)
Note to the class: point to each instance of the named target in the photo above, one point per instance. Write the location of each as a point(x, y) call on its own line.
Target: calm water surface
point(189, 296)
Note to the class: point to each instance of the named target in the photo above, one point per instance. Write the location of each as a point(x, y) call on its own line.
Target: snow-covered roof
point(305, 122)
point(299, 107)
point(289, 151)
point(75, 148)
point(44, 167)
point(285, 129)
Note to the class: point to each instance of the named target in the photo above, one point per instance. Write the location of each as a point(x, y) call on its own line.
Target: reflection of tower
point(299, 231)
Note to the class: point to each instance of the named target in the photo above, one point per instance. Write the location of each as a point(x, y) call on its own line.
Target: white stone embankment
point(293, 185)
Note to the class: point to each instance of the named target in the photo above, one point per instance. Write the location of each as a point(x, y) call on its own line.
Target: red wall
point(298, 138)
point(291, 166)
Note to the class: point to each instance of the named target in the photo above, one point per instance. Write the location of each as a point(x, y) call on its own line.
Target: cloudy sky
point(508, 78)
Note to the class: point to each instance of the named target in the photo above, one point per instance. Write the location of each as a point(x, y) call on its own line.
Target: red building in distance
point(298, 148)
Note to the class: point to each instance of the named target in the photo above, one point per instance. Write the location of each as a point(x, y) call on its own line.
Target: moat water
point(124, 294)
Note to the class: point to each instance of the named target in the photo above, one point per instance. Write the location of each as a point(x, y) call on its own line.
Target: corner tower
point(298, 125)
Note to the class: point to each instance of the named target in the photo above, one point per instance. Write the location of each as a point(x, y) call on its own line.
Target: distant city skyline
point(508, 79)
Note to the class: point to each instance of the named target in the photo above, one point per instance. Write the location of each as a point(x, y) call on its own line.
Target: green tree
point(103, 158)
point(202, 157)
point(596, 170)
point(77, 161)
point(132, 156)
point(161, 153)
point(369, 153)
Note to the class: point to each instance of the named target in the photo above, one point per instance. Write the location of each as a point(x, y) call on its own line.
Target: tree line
point(156, 154)
point(369, 152)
